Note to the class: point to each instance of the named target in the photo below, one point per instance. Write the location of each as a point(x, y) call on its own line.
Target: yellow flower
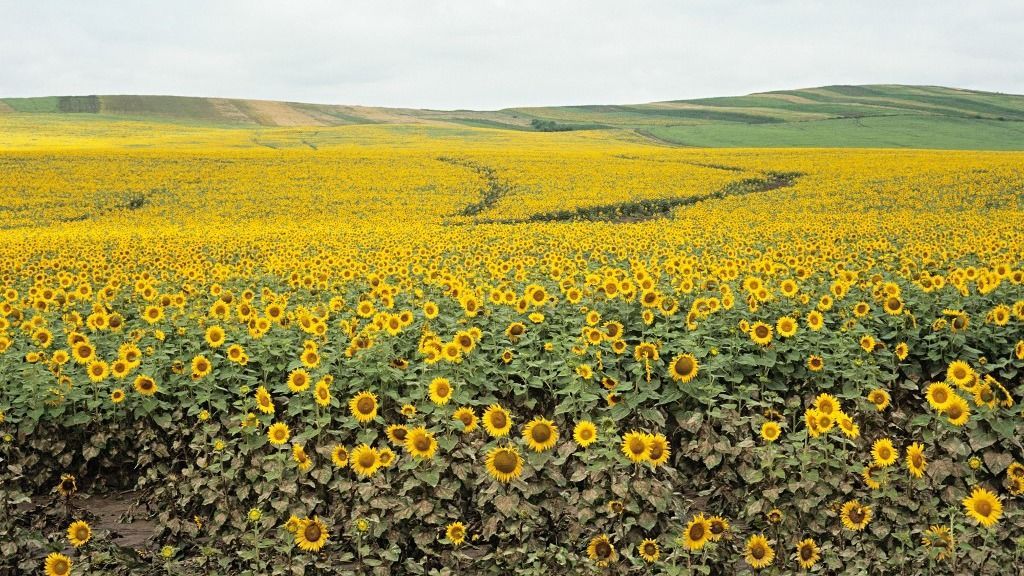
point(364, 406)
point(759, 552)
point(983, 506)
point(79, 533)
point(585, 433)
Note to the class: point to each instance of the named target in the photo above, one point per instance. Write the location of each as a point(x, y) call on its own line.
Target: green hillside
point(886, 116)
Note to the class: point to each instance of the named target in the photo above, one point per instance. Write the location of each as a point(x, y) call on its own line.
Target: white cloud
point(492, 53)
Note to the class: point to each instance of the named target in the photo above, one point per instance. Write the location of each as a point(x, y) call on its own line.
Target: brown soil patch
point(268, 113)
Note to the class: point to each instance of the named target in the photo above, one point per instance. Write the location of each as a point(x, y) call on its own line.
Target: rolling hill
point(871, 116)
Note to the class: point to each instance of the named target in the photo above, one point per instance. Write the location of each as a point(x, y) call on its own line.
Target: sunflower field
point(429, 350)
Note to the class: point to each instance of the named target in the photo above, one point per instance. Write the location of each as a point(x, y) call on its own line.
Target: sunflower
point(117, 396)
point(79, 533)
point(301, 458)
point(634, 446)
point(815, 320)
point(807, 553)
point(585, 433)
point(540, 434)
point(601, 550)
point(215, 336)
point(408, 410)
point(456, 533)
point(397, 433)
point(264, 402)
point(364, 460)
point(717, 527)
point(311, 534)
point(883, 452)
point(775, 516)
point(658, 450)
point(958, 411)
point(515, 331)
point(363, 406)
point(339, 455)
point(504, 464)
point(298, 380)
point(959, 373)
point(939, 395)
point(815, 363)
point(278, 433)
point(648, 550)
point(386, 457)
point(98, 370)
point(684, 368)
point(759, 553)
point(880, 398)
point(902, 350)
point(867, 343)
point(826, 404)
point(67, 485)
point(761, 333)
point(697, 533)
point(983, 506)
point(467, 416)
point(868, 474)
point(57, 565)
point(440, 391)
point(201, 367)
point(940, 538)
point(497, 421)
point(915, 460)
point(854, 515)
point(322, 393)
point(1015, 470)
point(145, 385)
point(786, 326)
point(420, 443)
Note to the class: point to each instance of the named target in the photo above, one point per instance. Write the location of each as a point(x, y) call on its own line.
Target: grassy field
point(876, 116)
point(417, 346)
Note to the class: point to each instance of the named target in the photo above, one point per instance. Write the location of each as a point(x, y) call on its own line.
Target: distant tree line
point(552, 126)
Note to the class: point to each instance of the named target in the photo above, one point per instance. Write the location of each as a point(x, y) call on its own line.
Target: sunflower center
point(60, 566)
point(400, 433)
point(422, 443)
point(367, 459)
point(856, 515)
point(697, 531)
point(916, 460)
point(603, 549)
point(365, 405)
point(959, 373)
point(312, 532)
point(498, 420)
point(806, 552)
point(983, 507)
point(443, 389)
point(955, 412)
point(757, 551)
point(684, 366)
point(650, 549)
point(541, 432)
point(761, 332)
point(717, 528)
point(82, 533)
point(656, 451)
point(941, 395)
point(637, 446)
point(505, 462)
point(586, 434)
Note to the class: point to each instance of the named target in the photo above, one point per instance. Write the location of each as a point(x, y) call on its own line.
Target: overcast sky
point(488, 54)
